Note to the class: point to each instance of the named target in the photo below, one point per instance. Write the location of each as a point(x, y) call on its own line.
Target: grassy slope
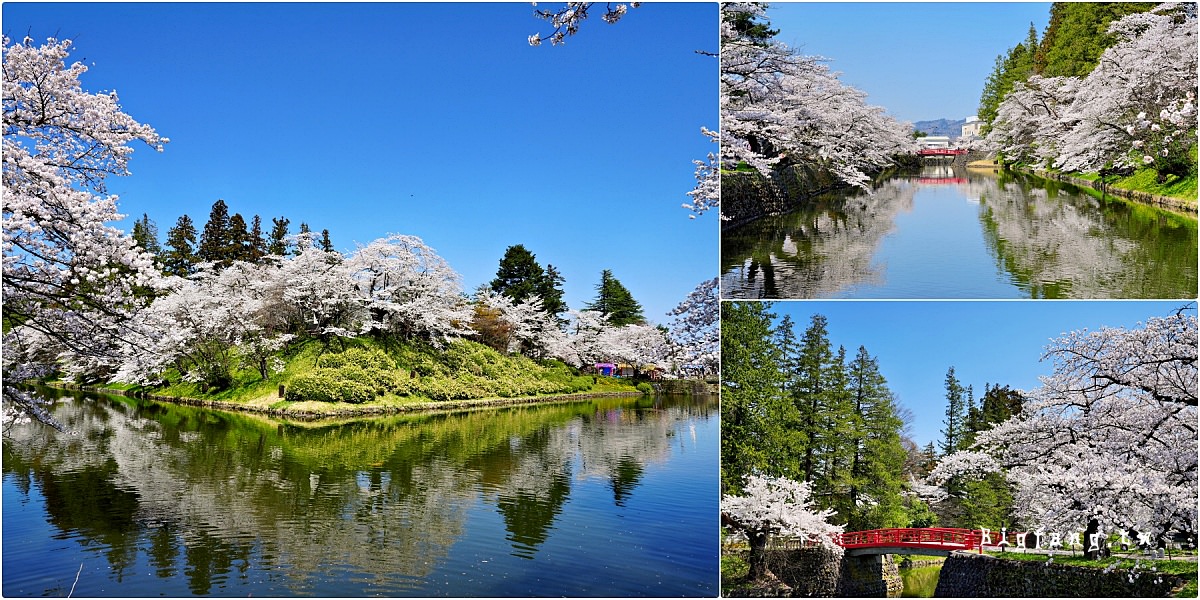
point(462, 361)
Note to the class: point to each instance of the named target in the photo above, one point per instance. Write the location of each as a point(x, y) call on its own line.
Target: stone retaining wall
point(693, 387)
point(968, 575)
point(749, 196)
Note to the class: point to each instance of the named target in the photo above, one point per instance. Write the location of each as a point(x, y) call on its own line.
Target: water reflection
point(953, 233)
point(219, 501)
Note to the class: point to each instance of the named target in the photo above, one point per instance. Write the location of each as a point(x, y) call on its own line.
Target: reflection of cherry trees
point(815, 251)
point(1072, 245)
point(209, 494)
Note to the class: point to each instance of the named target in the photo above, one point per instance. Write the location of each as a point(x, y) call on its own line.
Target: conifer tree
point(751, 398)
point(955, 421)
point(878, 452)
point(180, 255)
point(326, 243)
point(810, 393)
point(145, 233)
point(215, 239)
point(258, 244)
point(521, 278)
point(238, 244)
point(614, 301)
point(551, 292)
point(278, 244)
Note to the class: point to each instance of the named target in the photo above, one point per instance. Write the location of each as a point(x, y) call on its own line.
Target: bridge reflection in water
point(929, 541)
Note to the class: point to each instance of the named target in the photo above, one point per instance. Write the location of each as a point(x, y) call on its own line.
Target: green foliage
point(1078, 34)
point(1016, 65)
point(520, 277)
point(615, 302)
point(180, 256)
point(752, 434)
point(645, 388)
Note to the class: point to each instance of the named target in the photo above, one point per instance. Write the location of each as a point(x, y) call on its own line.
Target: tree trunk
point(758, 555)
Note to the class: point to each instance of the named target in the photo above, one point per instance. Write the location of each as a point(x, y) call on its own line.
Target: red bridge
point(937, 541)
point(941, 151)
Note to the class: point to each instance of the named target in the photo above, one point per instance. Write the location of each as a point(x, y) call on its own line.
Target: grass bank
point(366, 377)
point(1176, 194)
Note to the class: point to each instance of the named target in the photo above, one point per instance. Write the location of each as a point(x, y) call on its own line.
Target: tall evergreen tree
point(180, 255)
point(326, 243)
point(239, 243)
point(810, 392)
point(751, 394)
point(877, 474)
point(215, 239)
point(999, 404)
point(551, 292)
point(1078, 34)
point(1016, 65)
point(520, 277)
point(258, 244)
point(145, 233)
point(278, 244)
point(955, 421)
point(615, 302)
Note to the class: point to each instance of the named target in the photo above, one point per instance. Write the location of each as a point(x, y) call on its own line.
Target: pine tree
point(215, 239)
point(615, 302)
point(519, 276)
point(955, 415)
point(278, 244)
point(810, 392)
point(1078, 34)
point(751, 394)
point(877, 474)
point(180, 255)
point(258, 244)
point(551, 292)
point(238, 247)
point(326, 243)
point(145, 233)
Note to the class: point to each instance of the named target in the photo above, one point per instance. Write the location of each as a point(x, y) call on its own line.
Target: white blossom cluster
point(780, 506)
point(68, 275)
point(696, 329)
point(566, 20)
point(1136, 108)
point(1110, 435)
point(777, 104)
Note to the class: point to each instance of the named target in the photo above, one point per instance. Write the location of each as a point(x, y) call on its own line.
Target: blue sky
point(996, 342)
point(920, 60)
point(434, 120)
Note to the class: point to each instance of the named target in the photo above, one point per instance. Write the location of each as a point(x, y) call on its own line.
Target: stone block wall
point(967, 575)
point(872, 576)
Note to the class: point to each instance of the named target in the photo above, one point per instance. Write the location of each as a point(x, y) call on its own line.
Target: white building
point(933, 141)
point(972, 127)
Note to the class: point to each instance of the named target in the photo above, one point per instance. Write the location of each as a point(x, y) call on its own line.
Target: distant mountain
point(944, 127)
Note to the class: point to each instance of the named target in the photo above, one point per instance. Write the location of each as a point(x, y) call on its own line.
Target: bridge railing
point(942, 538)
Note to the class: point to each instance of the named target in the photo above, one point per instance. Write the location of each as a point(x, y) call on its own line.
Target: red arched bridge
point(935, 541)
point(941, 151)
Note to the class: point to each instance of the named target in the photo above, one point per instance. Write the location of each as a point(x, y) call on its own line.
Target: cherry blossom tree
point(695, 333)
point(1108, 443)
point(566, 20)
point(69, 278)
point(409, 290)
point(779, 107)
point(318, 294)
point(1136, 108)
point(521, 326)
point(776, 506)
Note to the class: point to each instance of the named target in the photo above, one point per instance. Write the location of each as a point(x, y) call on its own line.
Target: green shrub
point(645, 388)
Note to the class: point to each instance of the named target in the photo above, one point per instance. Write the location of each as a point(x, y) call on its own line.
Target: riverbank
point(313, 410)
point(1096, 186)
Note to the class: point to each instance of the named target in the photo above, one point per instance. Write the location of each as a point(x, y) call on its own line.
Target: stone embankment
point(967, 575)
point(749, 196)
point(821, 572)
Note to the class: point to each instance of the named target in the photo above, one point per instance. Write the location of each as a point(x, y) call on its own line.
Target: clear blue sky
point(920, 60)
point(434, 120)
point(996, 342)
